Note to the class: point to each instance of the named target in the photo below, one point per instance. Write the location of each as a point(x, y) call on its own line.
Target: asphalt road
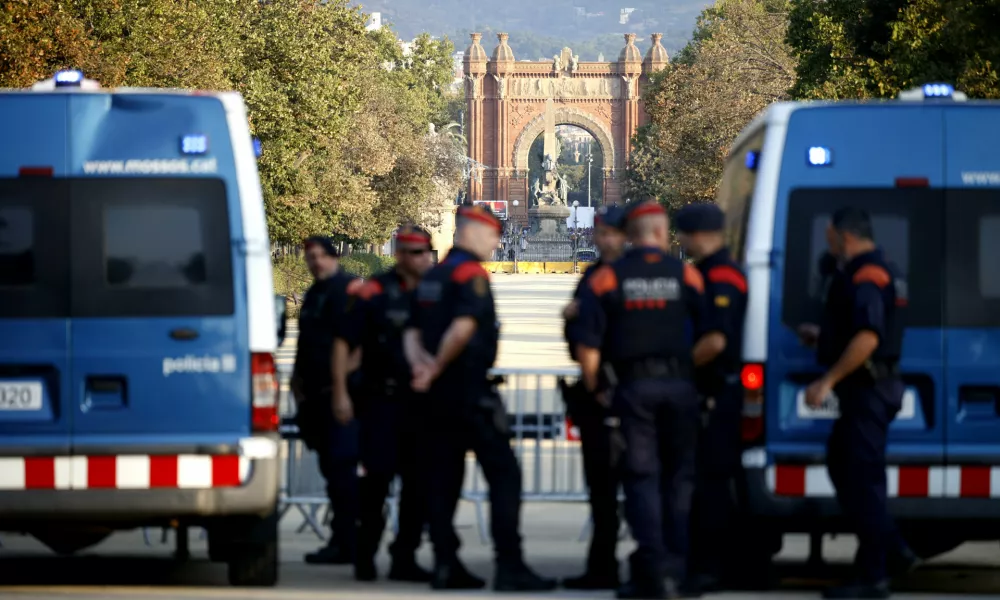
point(125, 566)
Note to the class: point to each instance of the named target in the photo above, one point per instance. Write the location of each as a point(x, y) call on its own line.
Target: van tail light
point(912, 182)
point(752, 378)
point(35, 172)
point(264, 392)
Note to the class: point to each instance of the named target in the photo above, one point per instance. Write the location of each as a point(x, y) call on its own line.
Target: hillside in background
point(541, 29)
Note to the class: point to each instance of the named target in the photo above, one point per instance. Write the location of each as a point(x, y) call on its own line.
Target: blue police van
point(138, 321)
point(925, 166)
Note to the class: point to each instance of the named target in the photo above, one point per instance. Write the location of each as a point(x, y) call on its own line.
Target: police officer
point(634, 314)
point(596, 425)
point(336, 445)
point(386, 407)
point(860, 341)
point(451, 345)
point(701, 234)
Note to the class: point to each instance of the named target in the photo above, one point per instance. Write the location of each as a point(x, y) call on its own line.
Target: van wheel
point(253, 557)
point(255, 566)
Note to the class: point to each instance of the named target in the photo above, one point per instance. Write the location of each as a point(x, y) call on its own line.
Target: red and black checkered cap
point(478, 212)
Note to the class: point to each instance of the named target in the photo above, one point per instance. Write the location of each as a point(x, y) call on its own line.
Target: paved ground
point(125, 566)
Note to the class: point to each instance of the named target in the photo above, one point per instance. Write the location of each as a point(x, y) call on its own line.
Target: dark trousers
point(659, 419)
point(602, 484)
point(471, 416)
point(337, 452)
point(390, 446)
point(719, 452)
point(856, 464)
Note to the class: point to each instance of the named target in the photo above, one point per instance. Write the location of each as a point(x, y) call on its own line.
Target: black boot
point(593, 580)
point(331, 554)
point(650, 589)
point(364, 569)
point(407, 569)
point(695, 586)
point(878, 589)
point(452, 575)
point(519, 578)
point(902, 562)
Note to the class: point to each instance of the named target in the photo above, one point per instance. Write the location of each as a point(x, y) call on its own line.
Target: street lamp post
point(576, 231)
point(517, 238)
point(590, 163)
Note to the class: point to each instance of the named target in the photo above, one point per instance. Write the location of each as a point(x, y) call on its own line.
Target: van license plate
point(830, 409)
point(20, 395)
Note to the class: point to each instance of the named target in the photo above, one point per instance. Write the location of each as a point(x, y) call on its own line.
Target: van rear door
point(972, 303)
point(872, 165)
point(161, 365)
point(35, 415)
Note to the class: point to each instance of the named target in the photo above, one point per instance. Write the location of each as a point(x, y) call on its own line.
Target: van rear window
point(907, 225)
point(136, 248)
point(151, 248)
point(34, 240)
point(973, 262)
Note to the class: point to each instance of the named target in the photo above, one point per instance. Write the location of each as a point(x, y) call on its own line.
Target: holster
point(616, 440)
point(490, 409)
point(879, 370)
point(573, 395)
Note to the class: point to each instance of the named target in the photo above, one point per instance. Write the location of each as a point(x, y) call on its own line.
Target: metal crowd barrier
point(544, 441)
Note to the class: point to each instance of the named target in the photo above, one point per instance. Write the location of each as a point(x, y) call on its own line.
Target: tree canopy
point(874, 49)
point(342, 114)
point(746, 54)
point(737, 64)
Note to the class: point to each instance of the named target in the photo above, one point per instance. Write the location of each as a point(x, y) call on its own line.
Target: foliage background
point(745, 54)
point(342, 115)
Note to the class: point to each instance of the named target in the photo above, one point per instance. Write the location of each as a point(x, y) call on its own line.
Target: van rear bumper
point(258, 496)
point(805, 515)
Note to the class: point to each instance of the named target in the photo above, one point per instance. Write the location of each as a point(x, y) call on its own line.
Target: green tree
point(875, 48)
point(737, 64)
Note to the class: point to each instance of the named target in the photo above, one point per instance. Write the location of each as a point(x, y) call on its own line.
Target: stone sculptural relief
point(563, 87)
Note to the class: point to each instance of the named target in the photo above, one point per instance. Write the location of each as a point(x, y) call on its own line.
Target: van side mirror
point(281, 314)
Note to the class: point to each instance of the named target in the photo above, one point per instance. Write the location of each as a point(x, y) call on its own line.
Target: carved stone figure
point(536, 191)
point(557, 63)
point(502, 87)
point(562, 189)
point(574, 64)
point(555, 190)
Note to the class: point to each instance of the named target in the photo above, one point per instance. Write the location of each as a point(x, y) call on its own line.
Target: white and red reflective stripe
point(135, 472)
point(903, 481)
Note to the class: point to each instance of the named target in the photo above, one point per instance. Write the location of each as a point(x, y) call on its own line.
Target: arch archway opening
point(579, 158)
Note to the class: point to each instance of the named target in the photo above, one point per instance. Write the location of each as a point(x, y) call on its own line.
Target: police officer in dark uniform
point(860, 342)
point(719, 448)
point(336, 445)
point(597, 427)
point(634, 315)
point(451, 345)
point(388, 410)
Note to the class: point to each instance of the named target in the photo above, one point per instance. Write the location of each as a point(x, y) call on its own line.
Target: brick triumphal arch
point(510, 103)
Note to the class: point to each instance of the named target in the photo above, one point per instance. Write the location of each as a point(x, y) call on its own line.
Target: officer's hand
point(808, 334)
point(572, 310)
point(423, 376)
point(343, 409)
point(817, 392)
